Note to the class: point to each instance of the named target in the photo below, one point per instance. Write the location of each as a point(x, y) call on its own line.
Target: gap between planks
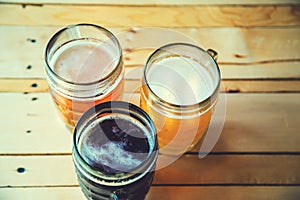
point(155, 2)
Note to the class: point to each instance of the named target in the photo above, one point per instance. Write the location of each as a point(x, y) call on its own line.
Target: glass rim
point(173, 105)
point(92, 114)
point(58, 33)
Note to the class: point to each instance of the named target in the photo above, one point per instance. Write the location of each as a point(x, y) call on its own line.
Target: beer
point(179, 92)
point(115, 152)
point(83, 69)
point(114, 145)
point(84, 62)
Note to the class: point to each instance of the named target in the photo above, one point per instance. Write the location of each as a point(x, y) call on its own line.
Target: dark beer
point(115, 154)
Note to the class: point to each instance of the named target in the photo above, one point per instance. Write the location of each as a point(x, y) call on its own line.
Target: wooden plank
point(29, 122)
point(264, 121)
point(286, 70)
point(23, 85)
point(39, 171)
point(157, 2)
point(196, 193)
point(163, 192)
point(188, 170)
point(253, 123)
point(261, 85)
point(57, 193)
point(132, 85)
point(257, 52)
point(147, 16)
point(247, 169)
point(40, 85)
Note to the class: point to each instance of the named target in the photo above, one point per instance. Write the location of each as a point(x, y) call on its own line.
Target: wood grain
point(245, 54)
point(219, 193)
point(253, 123)
point(157, 2)
point(23, 85)
point(151, 16)
point(257, 154)
point(238, 86)
point(132, 86)
point(278, 59)
point(57, 193)
point(213, 169)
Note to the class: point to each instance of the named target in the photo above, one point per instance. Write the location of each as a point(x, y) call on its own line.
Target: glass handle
point(212, 53)
point(114, 196)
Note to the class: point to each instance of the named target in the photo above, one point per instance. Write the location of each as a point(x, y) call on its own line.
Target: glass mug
point(180, 87)
point(115, 151)
point(84, 67)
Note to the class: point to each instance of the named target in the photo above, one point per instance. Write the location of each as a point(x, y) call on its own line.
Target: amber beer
point(84, 68)
point(179, 90)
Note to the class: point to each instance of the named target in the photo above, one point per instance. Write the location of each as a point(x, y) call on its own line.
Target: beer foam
point(113, 155)
point(180, 80)
point(84, 61)
point(109, 150)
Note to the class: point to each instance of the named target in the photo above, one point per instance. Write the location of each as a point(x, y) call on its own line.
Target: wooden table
point(258, 153)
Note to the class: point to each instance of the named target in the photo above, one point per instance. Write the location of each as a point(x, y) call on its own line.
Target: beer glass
point(115, 151)
point(84, 67)
point(179, 90)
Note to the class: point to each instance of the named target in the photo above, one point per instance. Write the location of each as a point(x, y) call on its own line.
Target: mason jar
point(115, 151)
point(179, 90)
point(84, 67)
